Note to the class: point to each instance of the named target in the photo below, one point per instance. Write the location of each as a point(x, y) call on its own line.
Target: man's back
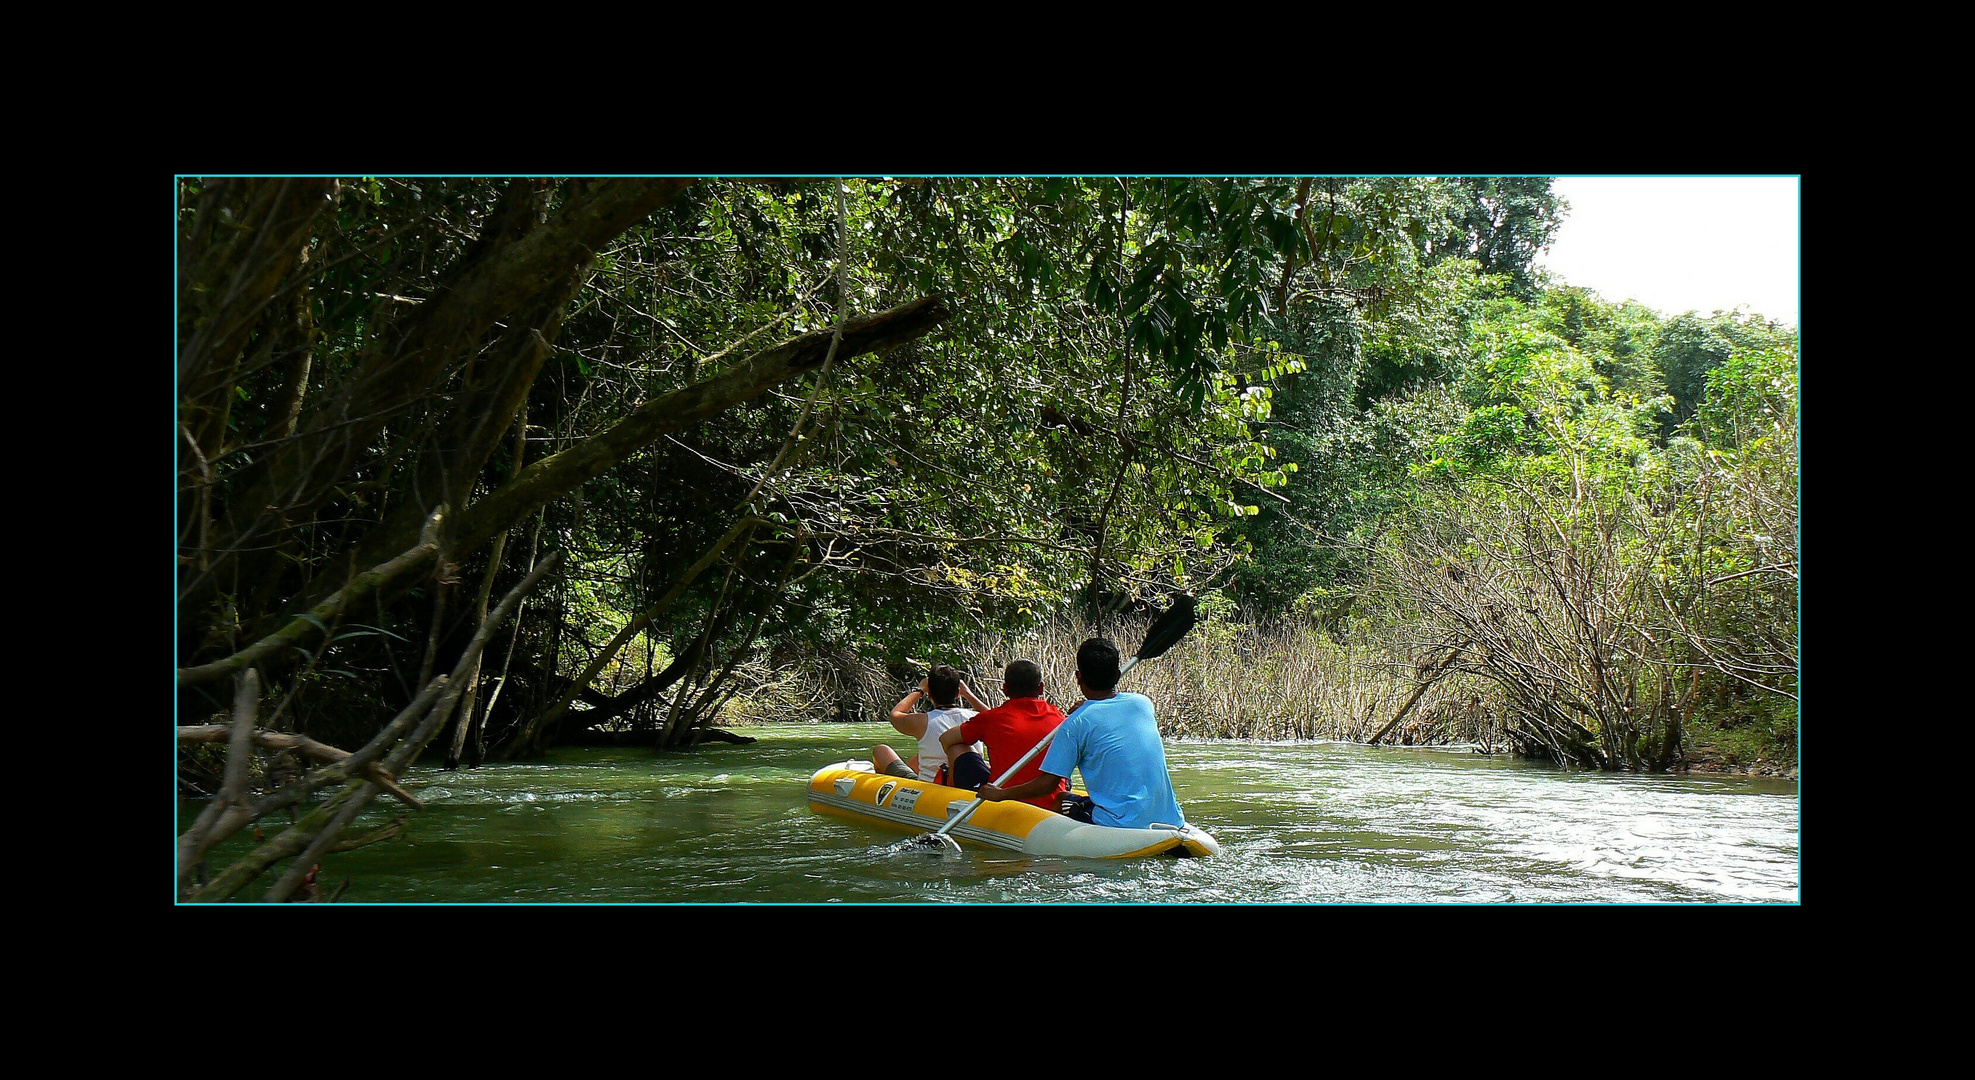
point(1115, 742)
point(1012, 729)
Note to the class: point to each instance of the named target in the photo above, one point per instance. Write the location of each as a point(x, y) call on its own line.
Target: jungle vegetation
point(471, 466)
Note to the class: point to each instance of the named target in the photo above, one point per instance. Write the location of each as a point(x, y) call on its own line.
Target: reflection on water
point(1299, 822)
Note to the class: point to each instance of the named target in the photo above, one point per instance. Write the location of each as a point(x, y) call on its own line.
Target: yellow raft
point(854, 792)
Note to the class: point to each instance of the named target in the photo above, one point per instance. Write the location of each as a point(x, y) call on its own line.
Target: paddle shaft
point(1026, 758)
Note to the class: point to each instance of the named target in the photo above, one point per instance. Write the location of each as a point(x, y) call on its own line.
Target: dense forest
point(471, 467)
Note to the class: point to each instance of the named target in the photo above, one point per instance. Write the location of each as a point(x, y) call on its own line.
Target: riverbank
point(1759, 768)
point(1745, 749)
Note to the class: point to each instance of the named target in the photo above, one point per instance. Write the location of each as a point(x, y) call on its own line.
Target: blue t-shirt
point(1115, 741)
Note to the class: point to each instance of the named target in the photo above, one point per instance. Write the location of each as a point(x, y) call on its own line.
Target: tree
point(1691, 345)
point(1502, 223)
point(1527, 557)
point(1615, 592)
point(1379, 325)
point(1729, 583)
point(398, 396)
point(351, 358)
point(1622, 340)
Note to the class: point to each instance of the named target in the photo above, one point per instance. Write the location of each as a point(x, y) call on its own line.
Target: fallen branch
point(300, 869)
point(372, 837)
point(1426, 683)
point(213, 828)
point(317, 832)
point(302, 744)
point(227, 813)
point(318, 617)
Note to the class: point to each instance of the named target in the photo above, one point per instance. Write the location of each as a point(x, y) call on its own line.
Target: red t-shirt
point(1012, 729)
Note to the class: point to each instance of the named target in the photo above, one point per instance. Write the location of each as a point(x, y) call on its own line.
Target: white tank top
point(931, 754)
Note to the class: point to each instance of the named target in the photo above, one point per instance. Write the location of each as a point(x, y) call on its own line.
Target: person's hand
point(990, 793)
point(923, 692)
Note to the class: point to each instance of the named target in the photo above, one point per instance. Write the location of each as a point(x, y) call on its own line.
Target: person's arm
point(1043, 784)
point(967, 692)
point(904, 718)
point(952, 738)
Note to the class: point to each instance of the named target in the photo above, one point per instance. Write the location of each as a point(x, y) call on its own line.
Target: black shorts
point(970, 772)
point(1078, 807)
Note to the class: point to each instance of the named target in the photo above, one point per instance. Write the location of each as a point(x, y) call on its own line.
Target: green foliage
point(1537, 407)
point(1752, 400)
point(1091, 417)
point(1380, 316)
point(1504, 221)
point(1613, 588)
point(1145, 384)
point(1755, 734)
point(1622, 341)
point(1690, 346)
point(1729, 571)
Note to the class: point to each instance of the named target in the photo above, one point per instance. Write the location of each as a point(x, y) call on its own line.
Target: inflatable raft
point(854, 792)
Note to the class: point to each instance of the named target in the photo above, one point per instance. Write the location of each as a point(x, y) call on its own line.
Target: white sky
point(1682, 243)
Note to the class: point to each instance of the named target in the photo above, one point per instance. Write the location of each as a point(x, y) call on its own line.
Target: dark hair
point(1097, 662)
point(1022, 678)
point(943, 683)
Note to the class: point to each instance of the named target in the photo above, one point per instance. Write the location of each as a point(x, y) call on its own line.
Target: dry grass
point(1225, 680)
point(812, 686)
point(1230, 680)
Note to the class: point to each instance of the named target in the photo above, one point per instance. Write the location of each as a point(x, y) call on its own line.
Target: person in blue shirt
point(1113, 739)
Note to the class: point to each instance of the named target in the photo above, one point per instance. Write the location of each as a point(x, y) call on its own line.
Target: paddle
point(1164, 634)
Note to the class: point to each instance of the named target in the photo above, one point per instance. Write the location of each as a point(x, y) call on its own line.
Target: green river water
point(1300, 823)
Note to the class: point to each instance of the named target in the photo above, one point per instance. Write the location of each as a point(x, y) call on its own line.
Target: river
point(1299, 822)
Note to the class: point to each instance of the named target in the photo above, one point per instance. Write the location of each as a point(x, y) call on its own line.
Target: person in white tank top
point(943, 689)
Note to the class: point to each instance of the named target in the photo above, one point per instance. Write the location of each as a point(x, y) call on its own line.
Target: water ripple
point(1300, 823)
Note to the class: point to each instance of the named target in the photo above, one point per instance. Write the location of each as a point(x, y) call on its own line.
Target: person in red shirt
point(1010, 730)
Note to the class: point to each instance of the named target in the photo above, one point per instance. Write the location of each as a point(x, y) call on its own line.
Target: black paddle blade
point(935, 843)
point(1169, 628)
